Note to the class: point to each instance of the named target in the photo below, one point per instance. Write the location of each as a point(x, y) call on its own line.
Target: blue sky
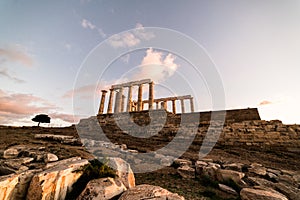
point(255, 46)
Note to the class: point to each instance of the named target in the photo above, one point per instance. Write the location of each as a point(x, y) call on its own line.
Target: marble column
point(163, 105)
point(173, 106)
point(101, 107)
point(110, 102)
point(192, 104)
point(129, 99)
point(117, 97)
point(151, 95)
point(123, 103)
point(118, 105)
point(140, 98)
point(182, 105)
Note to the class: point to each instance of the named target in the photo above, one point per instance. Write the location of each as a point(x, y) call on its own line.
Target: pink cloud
point(265, 102)
point(65, 117)
point(16, 54)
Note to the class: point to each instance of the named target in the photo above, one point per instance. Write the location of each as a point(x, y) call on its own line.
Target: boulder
point(258, 194)
point(7, 186)
point(291, 192)
point(199, 166)
point(186, 171)
point(226, 175)
point(258, 169)
point(227, 189)
point(149, 192)
point(123, 171)
point(181, 162)
point(50, 157)
point(54, 183)
point(104, 189)
point(13, 151)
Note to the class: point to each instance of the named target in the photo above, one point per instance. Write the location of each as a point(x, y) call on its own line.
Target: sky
point(47, 50)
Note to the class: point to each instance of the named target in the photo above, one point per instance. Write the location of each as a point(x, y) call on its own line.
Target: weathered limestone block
point(257, 194)
point(186, 171)
point(149, 192)
point(234, 166)
point(104, 189)
point(13, 151)
point(54, 183)
point(182, 162)
point(288, 190)
point(258, 169)
point(50, 157)
point(226, 175)
point(22, 186)
point(123, 171)
point(227, 189)
point(7, 186)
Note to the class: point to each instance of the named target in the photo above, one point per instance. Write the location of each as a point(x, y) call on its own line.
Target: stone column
point(116, 108)
point(140, 98)
point(110, 103)
point(123, 103)
point(151, 96)
point(182, 105)
point(101, 107)
point(192, 104)
point(174, 106)
point(156, 105)
point(129, 99)
point(164, 105)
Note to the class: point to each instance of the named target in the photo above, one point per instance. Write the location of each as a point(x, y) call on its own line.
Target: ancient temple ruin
point(117, 99)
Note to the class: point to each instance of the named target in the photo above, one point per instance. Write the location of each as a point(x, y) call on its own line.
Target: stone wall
point(242, 128)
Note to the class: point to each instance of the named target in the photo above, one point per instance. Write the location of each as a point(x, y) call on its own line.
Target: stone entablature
point(116, 103)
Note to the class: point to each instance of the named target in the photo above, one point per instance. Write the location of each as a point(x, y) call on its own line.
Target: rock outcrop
point(149, 192)
point(104, 189)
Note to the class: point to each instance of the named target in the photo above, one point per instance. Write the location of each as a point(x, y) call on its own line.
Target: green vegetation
point(94, 170)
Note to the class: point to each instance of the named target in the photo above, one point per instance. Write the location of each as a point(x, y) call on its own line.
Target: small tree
point(41, 118)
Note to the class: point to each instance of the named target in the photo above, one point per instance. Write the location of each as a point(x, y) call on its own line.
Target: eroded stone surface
point(149, 192)
point(104, 189)
point(257, 194)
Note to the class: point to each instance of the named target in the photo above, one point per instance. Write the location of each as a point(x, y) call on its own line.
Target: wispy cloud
point(157, 66)
point(265, 102)
point(16, 54)
point(89, 25)
point(4, 72)
point(130, 39)
point(65, 117)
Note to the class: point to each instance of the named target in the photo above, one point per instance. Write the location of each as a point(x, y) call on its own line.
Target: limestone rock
point(186, 171)
point(258, 169)
point(199, 166)
point(257, 194)
point(227, 189)
point(13, 151)
point(182, 162)
point(288, 190)
point(226, 175)
point(7, 186)
point(65, 139)
point(149, 192)
point(123, 171)
point(104, 189)
point(54, 183)
point(50, 157)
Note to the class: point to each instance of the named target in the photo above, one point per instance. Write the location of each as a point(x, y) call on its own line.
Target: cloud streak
point(5, 73)
point(89, 25)
point(16, 55)
point(131, 38)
